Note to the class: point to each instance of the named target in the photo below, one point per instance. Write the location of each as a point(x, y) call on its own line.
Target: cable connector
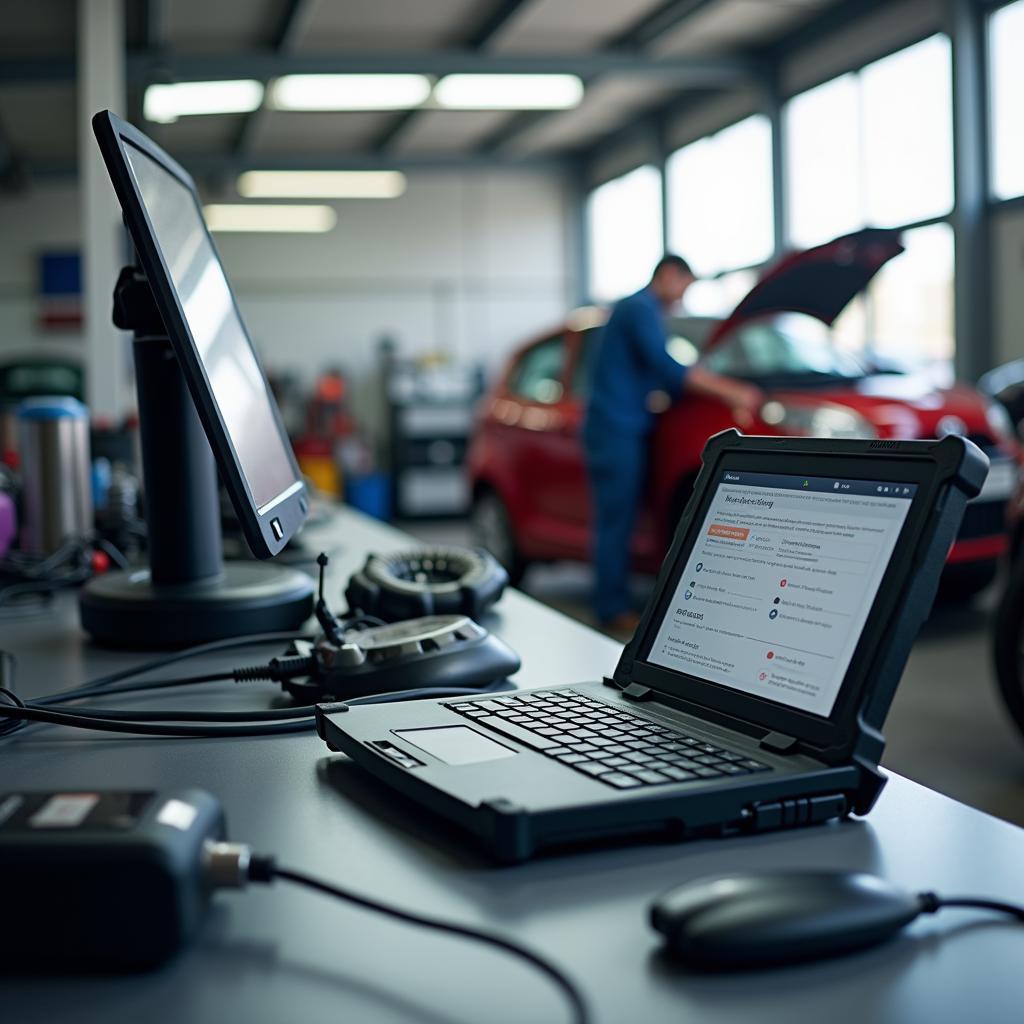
point(277, 670)
point(226, 865)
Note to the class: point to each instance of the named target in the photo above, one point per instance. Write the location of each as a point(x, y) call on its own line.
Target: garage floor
point(947, 728)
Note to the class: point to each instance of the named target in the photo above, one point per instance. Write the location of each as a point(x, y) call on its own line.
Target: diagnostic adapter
point(111, 879)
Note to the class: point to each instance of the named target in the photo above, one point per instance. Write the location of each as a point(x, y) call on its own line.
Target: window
point(790, 345)
point(624, 223)
point(823, 162)
point(1006, 44)
point(872, 147)
point(911, 300)
point(538, 377)
point(906, 106)
point(720, 198)
point(718, 296)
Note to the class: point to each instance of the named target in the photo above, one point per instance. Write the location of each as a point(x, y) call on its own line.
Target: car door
point(545, 446)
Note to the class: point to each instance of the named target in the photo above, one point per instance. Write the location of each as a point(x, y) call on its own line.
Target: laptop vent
point(883, 444)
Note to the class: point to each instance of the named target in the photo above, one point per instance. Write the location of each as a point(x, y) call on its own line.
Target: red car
point(531, 501)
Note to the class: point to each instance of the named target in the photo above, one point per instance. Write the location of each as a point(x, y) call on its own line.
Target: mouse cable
point(234, 865)
point(932, 902)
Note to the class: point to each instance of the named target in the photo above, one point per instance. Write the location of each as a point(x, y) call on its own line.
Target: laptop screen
point(779, 583)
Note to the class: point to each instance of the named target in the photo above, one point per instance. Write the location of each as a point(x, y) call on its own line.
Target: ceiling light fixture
point(164, 104)
point(349, 92)
point(321, 184)
point(508, 92)
point(269, 217)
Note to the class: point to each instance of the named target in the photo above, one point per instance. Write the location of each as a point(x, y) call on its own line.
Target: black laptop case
point(821, 767)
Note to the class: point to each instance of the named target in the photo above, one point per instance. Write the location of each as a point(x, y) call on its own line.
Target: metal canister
point(53, 434)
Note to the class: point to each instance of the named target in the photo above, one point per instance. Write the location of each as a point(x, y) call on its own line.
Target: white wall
point(44, 219)
point(1008, 283)
point(470, 264)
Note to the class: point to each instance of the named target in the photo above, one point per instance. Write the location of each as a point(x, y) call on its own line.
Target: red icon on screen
point(771, 654)
point(782, 583)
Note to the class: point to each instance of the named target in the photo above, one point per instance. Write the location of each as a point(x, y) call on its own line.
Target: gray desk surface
point(279, 954)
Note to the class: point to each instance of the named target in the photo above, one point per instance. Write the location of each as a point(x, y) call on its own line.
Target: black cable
point(256, 639)
point(277, 670)
point(156, 684)
point(79, 720)
point(264, 869)
point(931, 902)
point(268, 715)
point(263, 723)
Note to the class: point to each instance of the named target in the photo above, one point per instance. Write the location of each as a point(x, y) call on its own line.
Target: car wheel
point(1008, 645)
point(492, 529)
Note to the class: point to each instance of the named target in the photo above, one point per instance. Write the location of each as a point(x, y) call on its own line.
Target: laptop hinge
point(636, 691)
point(778, 743)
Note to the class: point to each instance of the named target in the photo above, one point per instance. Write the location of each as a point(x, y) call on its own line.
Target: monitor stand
point(189, 595)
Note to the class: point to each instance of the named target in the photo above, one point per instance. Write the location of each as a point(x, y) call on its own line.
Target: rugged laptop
point(752, 695)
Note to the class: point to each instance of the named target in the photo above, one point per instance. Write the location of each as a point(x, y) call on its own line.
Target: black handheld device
point(111, 878)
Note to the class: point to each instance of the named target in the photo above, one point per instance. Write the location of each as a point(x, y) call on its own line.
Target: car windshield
point(790, 345)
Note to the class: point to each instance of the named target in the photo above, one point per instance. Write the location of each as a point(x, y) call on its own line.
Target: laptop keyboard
point(604, 741)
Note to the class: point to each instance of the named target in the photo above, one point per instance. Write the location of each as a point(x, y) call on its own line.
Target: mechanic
point(633, 372)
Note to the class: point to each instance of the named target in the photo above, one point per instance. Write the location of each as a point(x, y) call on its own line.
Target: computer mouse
point(759, 919)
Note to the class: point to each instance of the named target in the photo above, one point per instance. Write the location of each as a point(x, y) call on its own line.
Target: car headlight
point(817, 420)
point(999, 421)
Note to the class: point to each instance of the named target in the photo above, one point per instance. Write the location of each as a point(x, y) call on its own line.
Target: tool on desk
point(427, 581)
point(122, 880)
point(360, 654)
point(357, 659)
point(752, 695)
point(771, 918)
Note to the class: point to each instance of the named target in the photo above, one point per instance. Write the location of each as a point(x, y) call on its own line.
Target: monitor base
point(124, 609)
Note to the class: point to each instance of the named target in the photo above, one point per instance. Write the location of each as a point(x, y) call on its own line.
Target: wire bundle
point(25, 575)
point(16, 713)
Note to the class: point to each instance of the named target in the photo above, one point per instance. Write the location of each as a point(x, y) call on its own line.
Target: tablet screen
point(224, 349)
point(779, 583)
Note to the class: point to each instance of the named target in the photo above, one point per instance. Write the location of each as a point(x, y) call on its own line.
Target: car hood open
point(820, 282)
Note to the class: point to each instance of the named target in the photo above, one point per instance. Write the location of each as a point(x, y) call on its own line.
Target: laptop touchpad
point(455, 744)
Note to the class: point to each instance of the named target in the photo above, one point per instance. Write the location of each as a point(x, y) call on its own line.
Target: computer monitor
point(201, 389)
point(191, 290)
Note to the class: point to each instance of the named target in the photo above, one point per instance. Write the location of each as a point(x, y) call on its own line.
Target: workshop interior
point(532, 490)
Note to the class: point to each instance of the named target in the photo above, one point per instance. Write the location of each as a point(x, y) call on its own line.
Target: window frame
point(516, 370)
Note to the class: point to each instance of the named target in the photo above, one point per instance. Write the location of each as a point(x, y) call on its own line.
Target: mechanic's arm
point(744, 399)
point(648, 336)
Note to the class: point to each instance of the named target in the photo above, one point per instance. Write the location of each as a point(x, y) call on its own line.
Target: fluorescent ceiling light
point(276, 217)
point(508, 92)
point(321, 184)
point(166, 103)
point(349, 92)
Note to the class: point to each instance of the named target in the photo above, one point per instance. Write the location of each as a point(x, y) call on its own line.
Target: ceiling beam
point(664, 19)
point(218, 167)
point(638, 37)
point(479, 39)
point(831, 22)
point(292, 21)
point(265, 64)
point(493, 23)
